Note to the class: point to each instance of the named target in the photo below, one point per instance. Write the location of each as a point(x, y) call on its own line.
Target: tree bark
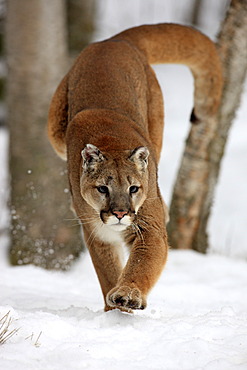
point(200, 166)
point(36, 43)
point(195, 13)
point(81, 23)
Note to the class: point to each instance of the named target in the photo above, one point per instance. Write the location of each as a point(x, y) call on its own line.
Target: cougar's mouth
point(119, 220)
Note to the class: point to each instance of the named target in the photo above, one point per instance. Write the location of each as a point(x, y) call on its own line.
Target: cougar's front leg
point(107, 262)
point(145, 264)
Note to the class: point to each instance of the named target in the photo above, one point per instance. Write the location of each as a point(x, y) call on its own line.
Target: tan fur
point(106, 118)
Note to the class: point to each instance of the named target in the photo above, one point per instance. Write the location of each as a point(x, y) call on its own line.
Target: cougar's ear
point(140, 157)
point(91, 156)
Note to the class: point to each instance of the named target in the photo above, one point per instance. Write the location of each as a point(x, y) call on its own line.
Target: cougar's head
point(115, 186)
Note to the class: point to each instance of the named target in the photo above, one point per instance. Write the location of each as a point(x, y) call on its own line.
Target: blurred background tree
point(2, 64)
point(200, 166)
point(37, 59)
point(81, 24)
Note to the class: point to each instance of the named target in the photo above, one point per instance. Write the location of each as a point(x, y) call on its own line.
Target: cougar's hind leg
point(58, 118)
point(155, 112)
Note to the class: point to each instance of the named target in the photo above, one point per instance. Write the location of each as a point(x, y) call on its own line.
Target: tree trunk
point(81, 17)
point(37, 59)
point(195, 13)
point(199, 171)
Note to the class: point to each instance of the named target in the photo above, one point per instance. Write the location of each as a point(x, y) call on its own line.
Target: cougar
point(106, 120)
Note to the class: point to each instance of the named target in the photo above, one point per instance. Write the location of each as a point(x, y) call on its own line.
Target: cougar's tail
point(172, 43)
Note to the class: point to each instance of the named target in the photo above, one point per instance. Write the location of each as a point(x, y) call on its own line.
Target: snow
point(196, 317)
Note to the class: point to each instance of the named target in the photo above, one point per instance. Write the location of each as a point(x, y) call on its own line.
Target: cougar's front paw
point(126, 297)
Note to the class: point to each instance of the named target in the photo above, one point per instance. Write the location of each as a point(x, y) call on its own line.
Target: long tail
point(172, 43)
point(161, 43)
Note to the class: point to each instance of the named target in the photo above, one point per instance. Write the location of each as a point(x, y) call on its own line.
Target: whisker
point(87, 222)
point(87, 241)
point(76, 218)
point(92, 239)
point(93, 234)
point(80, 222)
point(138, 232)
point(74, 225)
point(145, 224)
point(91, 242)
point(147, 219)
point(82, 217)
point(83, 223)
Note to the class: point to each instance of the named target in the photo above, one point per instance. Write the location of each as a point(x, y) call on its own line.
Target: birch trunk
point(200, 166)
point(37, 59)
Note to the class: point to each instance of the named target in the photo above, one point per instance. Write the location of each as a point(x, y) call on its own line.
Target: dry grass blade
point(31, 337)
point(5, 332)
point(37, 343)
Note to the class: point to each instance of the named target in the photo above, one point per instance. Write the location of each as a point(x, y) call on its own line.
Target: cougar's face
point(114, 188)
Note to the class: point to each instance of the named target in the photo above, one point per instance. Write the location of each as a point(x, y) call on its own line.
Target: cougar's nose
point(120, 214)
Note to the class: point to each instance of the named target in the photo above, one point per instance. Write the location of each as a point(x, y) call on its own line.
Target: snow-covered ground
point(197, 313)
point(196, 319)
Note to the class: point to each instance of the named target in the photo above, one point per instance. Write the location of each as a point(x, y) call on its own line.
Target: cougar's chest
point(109, 236)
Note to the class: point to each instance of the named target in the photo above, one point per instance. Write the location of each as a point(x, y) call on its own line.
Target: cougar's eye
point(103, 189)
point(133, 189)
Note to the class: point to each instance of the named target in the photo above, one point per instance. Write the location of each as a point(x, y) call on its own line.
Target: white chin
point(118, 227)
